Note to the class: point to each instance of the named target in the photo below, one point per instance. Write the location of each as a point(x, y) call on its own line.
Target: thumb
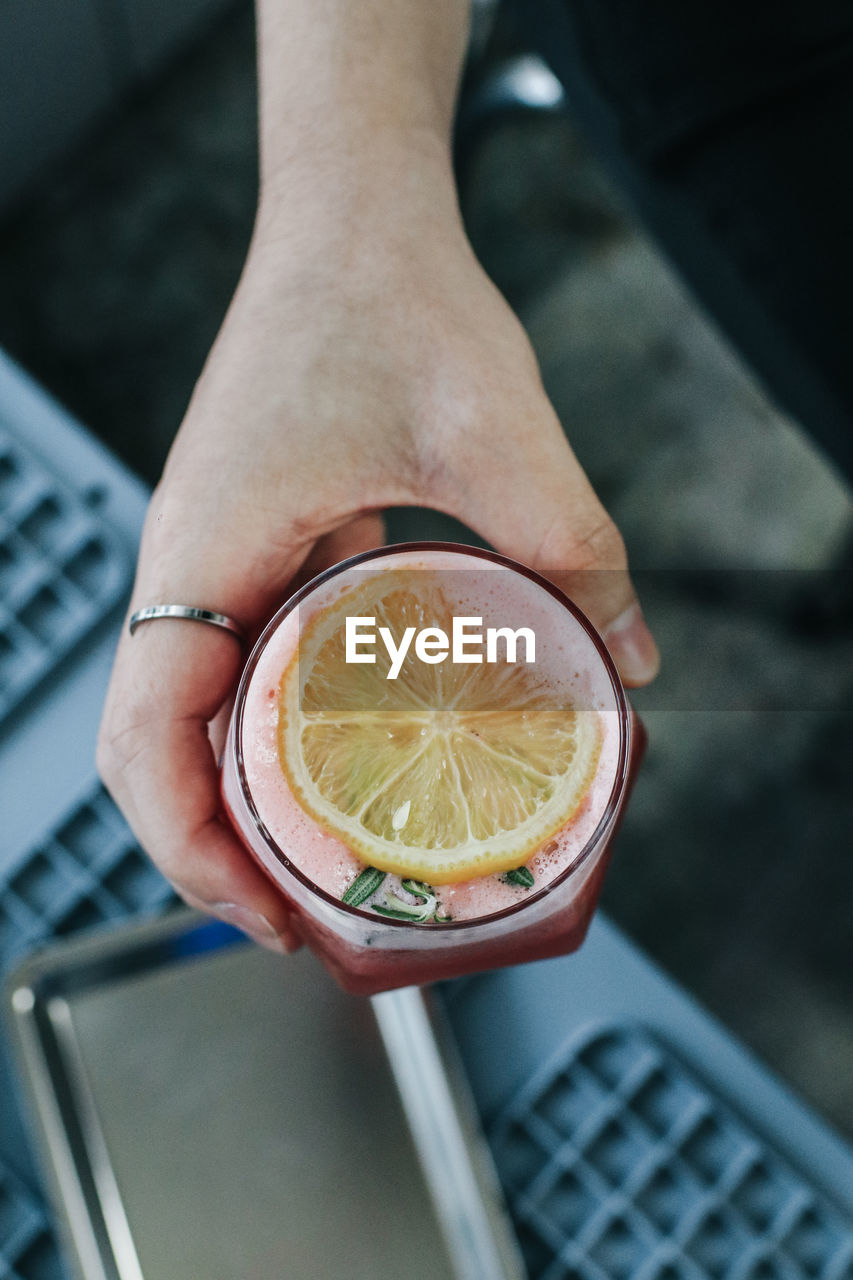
point(536, 504)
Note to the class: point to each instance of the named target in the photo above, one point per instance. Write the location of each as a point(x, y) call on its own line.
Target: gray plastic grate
point(61, 570)
point(88, 870)
point(29, 1251)
point(620, 1165)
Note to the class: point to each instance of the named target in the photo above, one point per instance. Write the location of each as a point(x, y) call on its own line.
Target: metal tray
point(205, 1108)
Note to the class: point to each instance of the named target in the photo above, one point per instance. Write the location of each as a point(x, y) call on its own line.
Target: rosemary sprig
point(406, 910)
point(418, 889)
point(520, 875)
point(396, 908)
point(363, 886)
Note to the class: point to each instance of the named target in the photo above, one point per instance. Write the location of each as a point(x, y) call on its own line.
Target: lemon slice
point(447, 773)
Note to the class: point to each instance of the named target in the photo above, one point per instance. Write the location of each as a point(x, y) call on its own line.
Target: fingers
point(532, 501)
point(155, 756)
point(170, 680)
point(156, 752)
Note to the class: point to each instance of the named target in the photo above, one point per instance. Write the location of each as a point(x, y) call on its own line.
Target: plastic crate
point(61, 570)
point(86, 871)
point(620, 1164)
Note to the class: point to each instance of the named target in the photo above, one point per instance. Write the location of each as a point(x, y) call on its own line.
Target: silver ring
point(186, 611)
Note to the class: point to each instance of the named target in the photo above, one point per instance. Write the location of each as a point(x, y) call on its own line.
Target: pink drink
point(493, 921)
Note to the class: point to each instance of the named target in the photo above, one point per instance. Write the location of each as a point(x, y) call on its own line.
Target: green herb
point(363, 886)
point(397, 908)
point(418, 889)
point(421, 912)
point(521, 876)
point(405, 911)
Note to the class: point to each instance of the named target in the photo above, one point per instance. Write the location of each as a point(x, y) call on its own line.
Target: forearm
point(345, 77)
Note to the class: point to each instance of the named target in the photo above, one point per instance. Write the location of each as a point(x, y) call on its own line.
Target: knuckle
point(604, 544)
point(121, 744)
point(594, 545)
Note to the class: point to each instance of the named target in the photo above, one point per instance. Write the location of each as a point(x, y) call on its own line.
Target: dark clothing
point(730, 126)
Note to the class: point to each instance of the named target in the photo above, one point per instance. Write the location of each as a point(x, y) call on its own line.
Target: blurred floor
point(734, 868)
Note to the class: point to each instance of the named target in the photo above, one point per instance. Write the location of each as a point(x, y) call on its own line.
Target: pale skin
point(366, 361)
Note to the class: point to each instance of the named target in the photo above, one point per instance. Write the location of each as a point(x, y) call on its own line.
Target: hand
point(365, 362)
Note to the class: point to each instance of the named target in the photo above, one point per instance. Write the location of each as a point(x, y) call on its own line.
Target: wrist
point(355, 85)
point(349, 189)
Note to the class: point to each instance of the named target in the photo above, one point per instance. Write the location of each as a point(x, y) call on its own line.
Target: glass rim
point(458, 548)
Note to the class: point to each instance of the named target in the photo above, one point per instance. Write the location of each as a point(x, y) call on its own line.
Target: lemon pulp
point(447, 773)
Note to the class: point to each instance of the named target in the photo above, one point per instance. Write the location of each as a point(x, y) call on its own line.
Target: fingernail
point(252, 923)
point(632, 647)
